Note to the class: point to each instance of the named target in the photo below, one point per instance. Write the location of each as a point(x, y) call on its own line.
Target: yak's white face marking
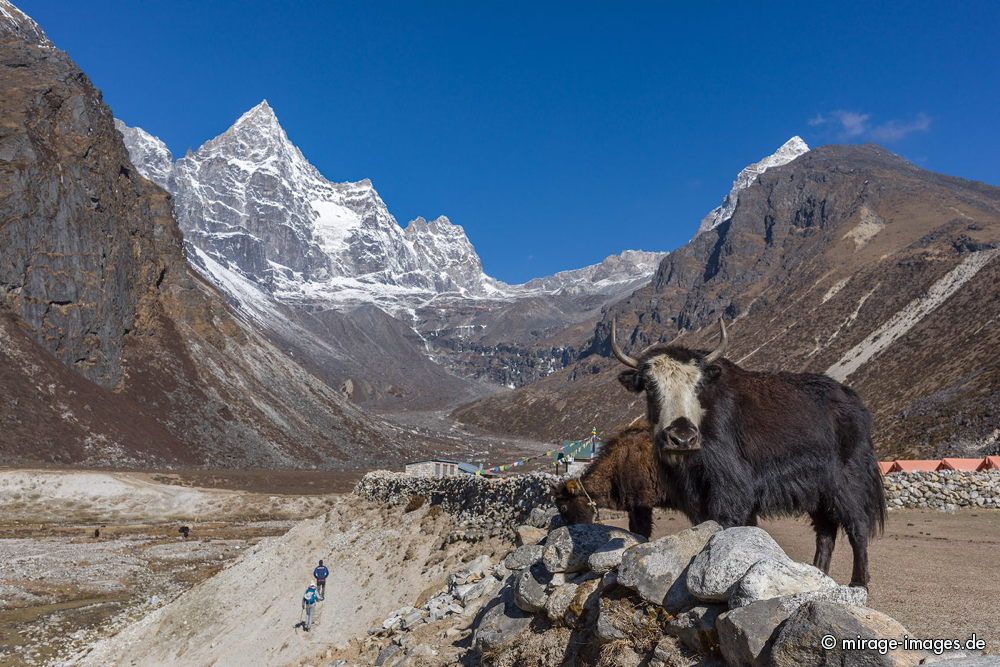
point(675, 390)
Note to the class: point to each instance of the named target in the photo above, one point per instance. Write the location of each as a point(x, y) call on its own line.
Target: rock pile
point(477, 579)
point(943, 489)
point(480, 506)
point(597, 595)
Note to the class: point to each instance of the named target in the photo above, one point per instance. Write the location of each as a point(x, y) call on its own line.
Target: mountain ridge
point(415, 271)
point(847, 260)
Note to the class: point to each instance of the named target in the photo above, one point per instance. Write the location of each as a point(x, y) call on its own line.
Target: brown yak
point(624, 476)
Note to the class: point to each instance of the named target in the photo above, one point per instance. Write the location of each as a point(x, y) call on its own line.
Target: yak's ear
point(573, 487)
point(631, 380)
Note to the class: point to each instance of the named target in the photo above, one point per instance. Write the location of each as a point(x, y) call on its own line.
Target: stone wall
point(477, 501)
point(945, 489)
point(499, 504)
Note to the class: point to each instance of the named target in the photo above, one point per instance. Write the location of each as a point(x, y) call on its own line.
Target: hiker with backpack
point(320, 574)
point(309, 600)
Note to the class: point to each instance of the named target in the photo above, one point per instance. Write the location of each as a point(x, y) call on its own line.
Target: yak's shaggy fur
point(766, 444)
point(625, 476)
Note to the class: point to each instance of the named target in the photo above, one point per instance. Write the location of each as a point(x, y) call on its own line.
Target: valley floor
point(61, 588)
point(233, 586)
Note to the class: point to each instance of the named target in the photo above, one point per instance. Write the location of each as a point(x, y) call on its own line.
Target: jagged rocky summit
point(788, 151)
point(251, 201)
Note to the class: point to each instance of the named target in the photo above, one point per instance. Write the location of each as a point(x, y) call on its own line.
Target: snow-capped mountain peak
point(252, 204)
point(788, 151)
point(150, 155)
point(448, 257)
point(630, 267)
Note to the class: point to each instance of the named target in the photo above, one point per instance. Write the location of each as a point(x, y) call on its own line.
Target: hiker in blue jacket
point(309, 605)
point(320, 574)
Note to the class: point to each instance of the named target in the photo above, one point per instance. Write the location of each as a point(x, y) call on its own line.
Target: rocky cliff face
point(113, 352)
point(848, 261)
point(86, 242)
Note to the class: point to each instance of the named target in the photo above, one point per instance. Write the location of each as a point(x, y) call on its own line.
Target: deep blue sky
point(556, 133)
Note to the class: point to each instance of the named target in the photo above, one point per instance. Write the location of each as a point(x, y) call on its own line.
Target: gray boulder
point(559, 602)
point(798, 641)
point(769, 578)
point(530, 588)
point(727, 557)
point(524, 556)
point(609, 556)
point(657, 570)
point(966, 661)
point(696, 628)
point(545, 517)
point(745, 633)
point(852, 595)
point(500, 623)
point(567, 549)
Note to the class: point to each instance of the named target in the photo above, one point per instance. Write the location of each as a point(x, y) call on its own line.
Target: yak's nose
point(682, 434)
point(683, 439)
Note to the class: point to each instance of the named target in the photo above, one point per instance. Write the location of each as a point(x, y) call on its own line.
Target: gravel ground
point(936, 573)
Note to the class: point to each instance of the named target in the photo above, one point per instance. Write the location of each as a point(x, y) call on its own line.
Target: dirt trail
point(379, 558)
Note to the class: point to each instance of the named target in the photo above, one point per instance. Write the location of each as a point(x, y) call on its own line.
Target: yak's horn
point(621, 356)
point(720, 349)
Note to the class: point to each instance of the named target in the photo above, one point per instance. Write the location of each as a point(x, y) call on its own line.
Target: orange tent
point(990, 463)
point(959, 464)
point(884, 466)
point(924, 465)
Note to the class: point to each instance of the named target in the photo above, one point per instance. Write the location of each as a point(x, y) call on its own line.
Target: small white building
point(440, 468)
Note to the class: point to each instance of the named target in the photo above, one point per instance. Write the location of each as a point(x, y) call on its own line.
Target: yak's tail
point(877, 513)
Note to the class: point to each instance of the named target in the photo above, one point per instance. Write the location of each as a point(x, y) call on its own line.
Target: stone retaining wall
point(486, 503)
point(507, 501)
point(945, 489)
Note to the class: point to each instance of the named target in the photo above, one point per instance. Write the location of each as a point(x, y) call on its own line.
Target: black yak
point(624, 476)
point(736, 444)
